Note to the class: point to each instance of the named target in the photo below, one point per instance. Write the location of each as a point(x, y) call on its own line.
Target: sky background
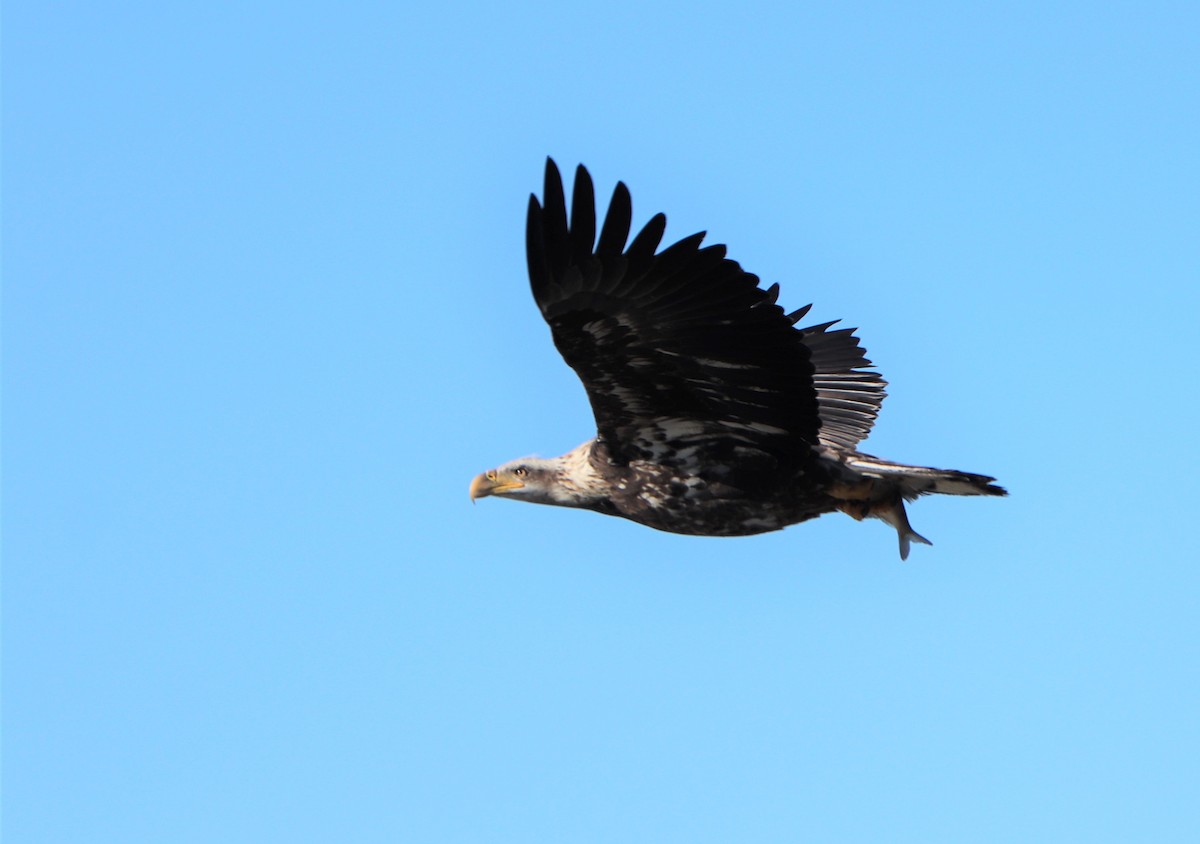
point(266, 315)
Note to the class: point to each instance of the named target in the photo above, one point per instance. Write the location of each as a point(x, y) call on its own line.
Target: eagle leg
point(892, 512)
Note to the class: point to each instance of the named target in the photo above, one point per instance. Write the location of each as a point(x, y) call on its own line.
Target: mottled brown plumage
point(716, 414)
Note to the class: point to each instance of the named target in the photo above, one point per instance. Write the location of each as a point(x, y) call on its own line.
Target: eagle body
point(705, 494)
point(717, 415)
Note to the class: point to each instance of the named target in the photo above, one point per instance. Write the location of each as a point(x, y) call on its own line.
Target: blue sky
point(265, 315)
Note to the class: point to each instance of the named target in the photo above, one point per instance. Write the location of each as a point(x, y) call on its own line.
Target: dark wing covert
point(683, 347)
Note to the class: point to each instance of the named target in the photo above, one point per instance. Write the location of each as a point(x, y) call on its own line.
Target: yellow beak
point(492, 483)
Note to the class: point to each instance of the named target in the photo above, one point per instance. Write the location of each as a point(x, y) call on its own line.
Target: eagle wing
point(682, 347)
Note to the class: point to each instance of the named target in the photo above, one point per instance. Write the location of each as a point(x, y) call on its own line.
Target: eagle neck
point(578, 477)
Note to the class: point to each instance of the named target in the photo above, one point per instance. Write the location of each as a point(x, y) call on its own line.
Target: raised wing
point(683, 347)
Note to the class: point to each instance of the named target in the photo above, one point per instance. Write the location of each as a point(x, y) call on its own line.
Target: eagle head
point(567, 481)
point(528, 479)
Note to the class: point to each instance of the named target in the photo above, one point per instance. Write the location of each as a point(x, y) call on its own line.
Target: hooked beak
point(492, 482)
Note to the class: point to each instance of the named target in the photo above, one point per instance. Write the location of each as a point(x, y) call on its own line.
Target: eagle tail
point(913, 481)
point(878, 489)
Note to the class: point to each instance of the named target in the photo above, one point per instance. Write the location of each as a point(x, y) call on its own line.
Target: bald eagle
point(716, 414)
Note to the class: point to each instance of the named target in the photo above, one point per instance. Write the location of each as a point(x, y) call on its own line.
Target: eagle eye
point(520, 471)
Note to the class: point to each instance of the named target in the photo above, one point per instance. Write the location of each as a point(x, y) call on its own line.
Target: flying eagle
point(716, 414)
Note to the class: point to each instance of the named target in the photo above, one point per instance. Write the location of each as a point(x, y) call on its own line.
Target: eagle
point(717, 414)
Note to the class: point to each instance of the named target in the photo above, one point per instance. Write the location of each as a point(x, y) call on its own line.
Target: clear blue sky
point(266, 314)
